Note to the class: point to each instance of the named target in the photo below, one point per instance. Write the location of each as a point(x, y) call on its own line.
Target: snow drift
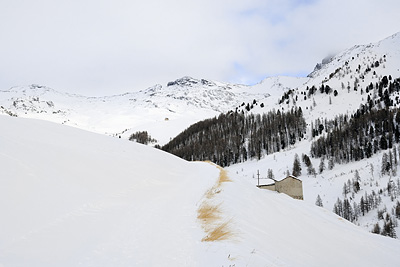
point(75, 198)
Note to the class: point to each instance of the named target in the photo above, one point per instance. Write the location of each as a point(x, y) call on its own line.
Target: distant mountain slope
point(75, 198)
point(163, 111)
point(350, 73)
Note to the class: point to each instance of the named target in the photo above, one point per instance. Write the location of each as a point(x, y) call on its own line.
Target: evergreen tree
point(318, 201)
point(345, 190)
point(383, 143)
point(322, 165)
point(296, 171)
point(331, 163)
point(356, 186)
point(389, 229)
point(306, 160)
point(356, 210)
point(377, 229)
point(385, 167)
point(356, 182)
point(311, 170)
point(270, 174)
point(391, 161)
point(362, 205)
point(338, 207)
point(347, 210)
point(397, 210)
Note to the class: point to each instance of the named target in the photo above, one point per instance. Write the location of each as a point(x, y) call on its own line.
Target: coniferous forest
point(236, 137)
point(358, 137)
point(373, 127)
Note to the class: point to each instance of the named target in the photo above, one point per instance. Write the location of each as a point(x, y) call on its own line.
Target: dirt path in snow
point(209, 212)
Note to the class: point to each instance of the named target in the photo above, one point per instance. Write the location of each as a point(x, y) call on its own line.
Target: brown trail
point(210, 214)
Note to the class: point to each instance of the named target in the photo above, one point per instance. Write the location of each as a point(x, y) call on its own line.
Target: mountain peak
point(189, 81)
point(319, 66)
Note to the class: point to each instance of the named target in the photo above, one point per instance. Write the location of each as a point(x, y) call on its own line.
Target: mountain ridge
point(183, 102)
point(118, 114)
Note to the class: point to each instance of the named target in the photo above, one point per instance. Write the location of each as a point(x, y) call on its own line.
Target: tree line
point(350, 210)
point(235, 137)
point(359, 136)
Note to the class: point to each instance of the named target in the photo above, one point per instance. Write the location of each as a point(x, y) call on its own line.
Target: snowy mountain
point(356, 75)
point(163, 111)
point(74, 198)
point(349, 73)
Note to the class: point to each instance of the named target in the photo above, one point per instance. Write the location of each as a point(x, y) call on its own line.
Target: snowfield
point(74, 198)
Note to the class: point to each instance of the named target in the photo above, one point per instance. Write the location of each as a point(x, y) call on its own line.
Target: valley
point(70, 175)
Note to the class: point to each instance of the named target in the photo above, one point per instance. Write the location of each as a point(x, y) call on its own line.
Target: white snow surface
point(74, 198)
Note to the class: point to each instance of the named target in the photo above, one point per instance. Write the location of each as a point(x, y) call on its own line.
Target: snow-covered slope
point(349, 73)
point(75, 198)
point(329, 184)
point(363, 55)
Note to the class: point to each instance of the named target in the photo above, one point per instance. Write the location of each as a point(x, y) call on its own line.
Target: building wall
point(269, 187)
point(290, 186)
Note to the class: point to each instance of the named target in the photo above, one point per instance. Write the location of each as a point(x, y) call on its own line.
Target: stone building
point(291, 186)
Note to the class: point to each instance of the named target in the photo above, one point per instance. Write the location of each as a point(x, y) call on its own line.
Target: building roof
point(292, 176)
point(283, 178)
point(268, 181)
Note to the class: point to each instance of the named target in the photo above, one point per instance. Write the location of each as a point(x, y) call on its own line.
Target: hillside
point(350, 104)
point(75, 198)
point(357, 75)
point(349, 73)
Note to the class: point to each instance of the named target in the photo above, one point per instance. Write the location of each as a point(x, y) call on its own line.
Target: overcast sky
point(101, 47)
